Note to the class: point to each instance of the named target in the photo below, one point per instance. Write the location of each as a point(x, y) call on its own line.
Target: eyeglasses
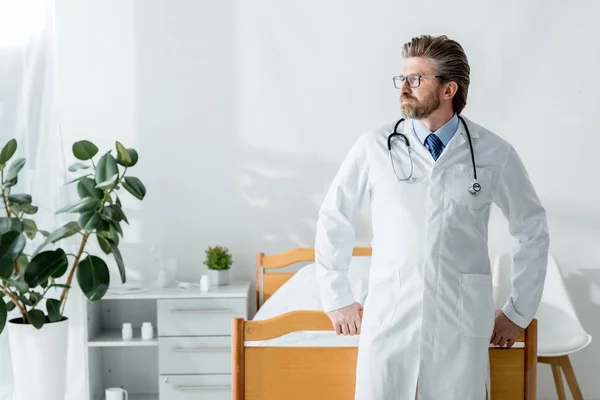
point(414, 81)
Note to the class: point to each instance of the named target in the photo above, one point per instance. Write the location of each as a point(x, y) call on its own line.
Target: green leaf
point(106, 169)
point(26, 208)
point(44, 265)
point(3, 315)
point(10, 224)
point(10, 306)
point(8, 151)
point(135, 187)
point(123, 156)
point(14, 169)
point(90, 221)
point(19, 198)
point(35, 297)
point(84, 150)
point(117, 227)
point(36, 318)
point(114, 213)
point(111, 234)
point(118, 201)
point(78, 178)
point(30, 228)
point(104, 245)
point(119, 259)
point(21, 286)
point(11, 246)
point(63, 232)
point(25, 300)
point(134, 157)
point(53, 308)
point(93, 277)
point(83, 205)
point(77, 166)
point(108, 183)
point(60, 271)
point(87, 188)
point(9, 184)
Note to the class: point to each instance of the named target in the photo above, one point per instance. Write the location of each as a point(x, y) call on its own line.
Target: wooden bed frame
point(299, 373)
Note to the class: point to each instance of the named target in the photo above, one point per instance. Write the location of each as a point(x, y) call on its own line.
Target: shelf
point(132, 292)
point(112, 338)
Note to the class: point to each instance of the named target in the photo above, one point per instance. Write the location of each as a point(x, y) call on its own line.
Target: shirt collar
point(445, 133)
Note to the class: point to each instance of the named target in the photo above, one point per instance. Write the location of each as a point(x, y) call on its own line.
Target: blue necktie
point(434, 144)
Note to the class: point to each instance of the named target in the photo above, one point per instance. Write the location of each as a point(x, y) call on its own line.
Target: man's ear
point(450, 89)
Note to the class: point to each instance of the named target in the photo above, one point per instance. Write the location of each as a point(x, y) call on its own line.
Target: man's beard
point(420, 109)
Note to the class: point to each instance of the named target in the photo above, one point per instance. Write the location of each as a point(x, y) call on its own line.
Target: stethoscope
point(474, 188)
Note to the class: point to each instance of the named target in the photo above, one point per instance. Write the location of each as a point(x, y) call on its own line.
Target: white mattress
point(301, 293)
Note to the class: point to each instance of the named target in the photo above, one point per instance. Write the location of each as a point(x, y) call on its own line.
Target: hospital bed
point(289, 350)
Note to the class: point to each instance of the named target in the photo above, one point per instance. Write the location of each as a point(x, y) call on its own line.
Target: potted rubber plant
point(37, 281)
point(218, 260)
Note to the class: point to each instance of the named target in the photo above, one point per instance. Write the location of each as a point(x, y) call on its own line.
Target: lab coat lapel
point(458, 141)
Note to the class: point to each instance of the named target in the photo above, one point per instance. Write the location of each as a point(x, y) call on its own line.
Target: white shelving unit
point(135, 365)
point(112, 338)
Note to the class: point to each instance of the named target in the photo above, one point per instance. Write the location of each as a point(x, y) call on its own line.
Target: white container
point(127, 331)
point(147, 331)
point(218, 277)
point(116, 394)
point(204, 283)
point(162, 280)
point(39, 359)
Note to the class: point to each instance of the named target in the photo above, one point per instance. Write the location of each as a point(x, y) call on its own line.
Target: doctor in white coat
point(429, 316)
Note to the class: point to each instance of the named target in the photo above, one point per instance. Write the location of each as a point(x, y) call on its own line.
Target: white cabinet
point(190, 354)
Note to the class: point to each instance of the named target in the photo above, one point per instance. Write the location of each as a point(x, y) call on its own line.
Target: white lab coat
point(429, 312)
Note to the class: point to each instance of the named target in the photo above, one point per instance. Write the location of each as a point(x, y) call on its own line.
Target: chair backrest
point(556, 305)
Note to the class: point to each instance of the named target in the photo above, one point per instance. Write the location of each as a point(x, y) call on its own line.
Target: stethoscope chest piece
point(475, 188)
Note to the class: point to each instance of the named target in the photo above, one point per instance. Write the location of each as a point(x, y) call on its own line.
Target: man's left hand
point(505, 331)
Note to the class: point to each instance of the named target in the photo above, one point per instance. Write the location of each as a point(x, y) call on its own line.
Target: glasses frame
point(403, 78)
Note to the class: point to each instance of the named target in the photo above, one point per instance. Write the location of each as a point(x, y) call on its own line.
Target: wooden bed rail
point(518, 363)
point(294, 321)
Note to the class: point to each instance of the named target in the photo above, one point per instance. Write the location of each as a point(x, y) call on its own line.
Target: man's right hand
point(346, 320)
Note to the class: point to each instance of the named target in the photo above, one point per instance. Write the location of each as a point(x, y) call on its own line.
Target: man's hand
point(505, 331)
point(346, 320)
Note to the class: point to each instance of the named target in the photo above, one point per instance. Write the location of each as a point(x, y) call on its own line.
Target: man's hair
point(449, 60)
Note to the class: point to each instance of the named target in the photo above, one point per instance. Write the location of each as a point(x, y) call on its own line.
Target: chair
point(560, 332)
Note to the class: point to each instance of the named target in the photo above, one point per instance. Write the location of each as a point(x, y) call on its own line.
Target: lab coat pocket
point(382, 300)
point(462, 177)
point(476, 305)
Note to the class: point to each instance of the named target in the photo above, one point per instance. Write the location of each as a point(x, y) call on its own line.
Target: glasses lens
point(413, 81)
point(397, 82)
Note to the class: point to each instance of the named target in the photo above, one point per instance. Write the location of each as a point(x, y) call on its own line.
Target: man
point(429, 316)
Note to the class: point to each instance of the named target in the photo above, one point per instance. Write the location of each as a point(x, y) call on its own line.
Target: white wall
point(242, 111)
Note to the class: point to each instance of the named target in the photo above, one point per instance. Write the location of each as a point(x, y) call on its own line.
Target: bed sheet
point(301, 292)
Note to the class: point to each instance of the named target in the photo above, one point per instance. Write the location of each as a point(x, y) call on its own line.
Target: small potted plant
point(218, 260)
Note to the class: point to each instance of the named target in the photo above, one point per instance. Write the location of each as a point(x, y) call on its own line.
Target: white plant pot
point(39, 360)
point(218, 277)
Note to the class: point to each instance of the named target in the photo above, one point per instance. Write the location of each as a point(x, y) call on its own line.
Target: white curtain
point(29, 113)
